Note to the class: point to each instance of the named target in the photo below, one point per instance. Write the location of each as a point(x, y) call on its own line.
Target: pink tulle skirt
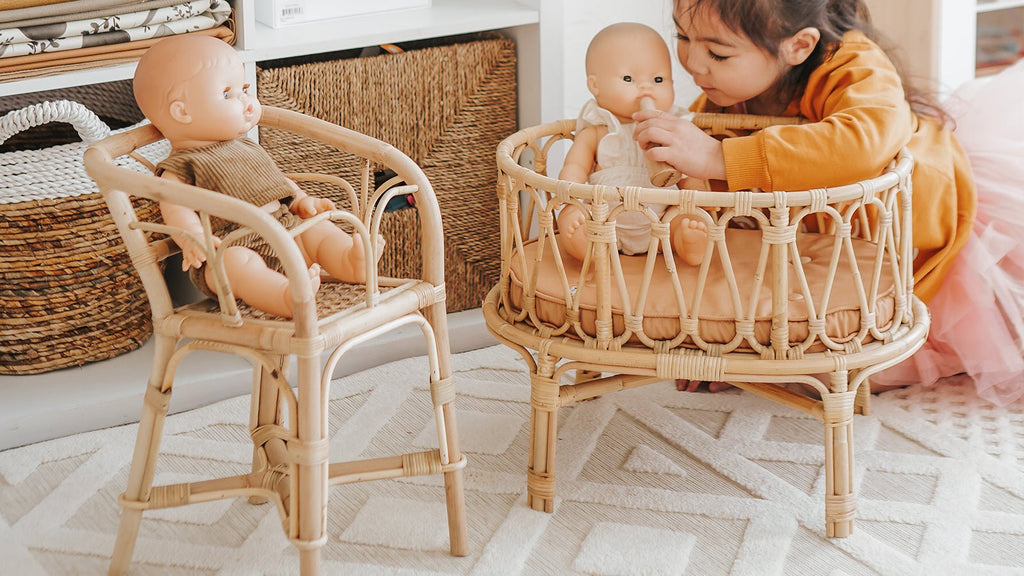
point(978, 314)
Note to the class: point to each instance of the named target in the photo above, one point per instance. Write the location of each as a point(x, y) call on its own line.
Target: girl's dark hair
point(768, 22)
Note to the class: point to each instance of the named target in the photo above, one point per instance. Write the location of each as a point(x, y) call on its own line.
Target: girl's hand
point(679, 143)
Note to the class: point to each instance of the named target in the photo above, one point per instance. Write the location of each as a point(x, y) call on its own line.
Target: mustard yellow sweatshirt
point(860, 120)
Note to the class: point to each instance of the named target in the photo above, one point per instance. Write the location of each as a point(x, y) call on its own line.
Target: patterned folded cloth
point(177, 19)
point(21, 9)
point(76, 10)
point(77, 59)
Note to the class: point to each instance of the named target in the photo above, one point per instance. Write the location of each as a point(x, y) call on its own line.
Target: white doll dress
point(622, 164)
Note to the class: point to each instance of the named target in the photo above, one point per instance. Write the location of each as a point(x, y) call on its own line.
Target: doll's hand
point(192, 254)
point(309, 206)
point(679, 143)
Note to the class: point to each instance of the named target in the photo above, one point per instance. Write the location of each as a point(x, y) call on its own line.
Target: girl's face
point(726, 65)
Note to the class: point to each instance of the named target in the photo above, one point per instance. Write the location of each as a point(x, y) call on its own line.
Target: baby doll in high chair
point(628, 66)
point(193, 89)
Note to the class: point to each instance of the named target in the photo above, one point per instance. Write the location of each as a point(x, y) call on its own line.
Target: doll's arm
point(192, 254)
point(581, 157)
point(305, 206)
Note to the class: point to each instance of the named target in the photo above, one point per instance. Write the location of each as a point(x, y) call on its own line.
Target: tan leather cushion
point(717, 324)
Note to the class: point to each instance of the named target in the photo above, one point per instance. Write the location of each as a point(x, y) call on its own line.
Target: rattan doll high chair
point(289, 430)
point(792, 285)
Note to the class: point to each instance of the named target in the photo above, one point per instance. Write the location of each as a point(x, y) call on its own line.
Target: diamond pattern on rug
point(408, 524)
point(479, 432)
point(646, 459)
point(624, 550)
point(733, 480)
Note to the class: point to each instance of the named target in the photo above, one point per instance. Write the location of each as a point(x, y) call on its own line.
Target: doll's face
point(217, 104)
point(625, 67)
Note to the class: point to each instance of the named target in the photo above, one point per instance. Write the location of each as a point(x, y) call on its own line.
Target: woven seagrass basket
point(447, 104)
point(70, 294)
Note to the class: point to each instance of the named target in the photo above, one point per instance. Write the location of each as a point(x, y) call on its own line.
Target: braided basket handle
point(88, 125)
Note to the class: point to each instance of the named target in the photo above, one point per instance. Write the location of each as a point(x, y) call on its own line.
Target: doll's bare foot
point(356, 259)
point(684, 385)
point(689, 239)
point(572, 228)
point(314, 277)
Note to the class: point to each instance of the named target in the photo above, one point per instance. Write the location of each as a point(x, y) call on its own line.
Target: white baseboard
point(109, 393)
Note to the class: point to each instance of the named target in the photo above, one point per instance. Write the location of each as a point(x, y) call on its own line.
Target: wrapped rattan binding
point(70, 294)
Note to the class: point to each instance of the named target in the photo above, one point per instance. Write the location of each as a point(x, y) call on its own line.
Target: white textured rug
point(651, 481)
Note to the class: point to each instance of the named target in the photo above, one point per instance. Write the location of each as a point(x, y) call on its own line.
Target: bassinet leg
point(840, 501)
point(863, 405)
point(540, 481)
point(147, 446)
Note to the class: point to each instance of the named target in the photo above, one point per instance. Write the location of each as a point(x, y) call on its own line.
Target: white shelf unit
point(50, 405)
point(257, 42)
point(939, 38)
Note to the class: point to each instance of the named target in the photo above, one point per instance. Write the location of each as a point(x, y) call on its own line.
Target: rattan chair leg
point(540, 481)
point(266, 406)
point(444, 396)
point(458, 533)
point(309, 562)
point(309, 484)
point(147, 446)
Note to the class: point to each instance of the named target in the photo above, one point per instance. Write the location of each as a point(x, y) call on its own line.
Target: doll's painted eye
point(245, 88)
point(658, 79)
point(227, 93)
point(627, 78)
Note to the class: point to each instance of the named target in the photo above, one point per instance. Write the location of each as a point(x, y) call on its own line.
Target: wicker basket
point(447, 106)
point(70, 294)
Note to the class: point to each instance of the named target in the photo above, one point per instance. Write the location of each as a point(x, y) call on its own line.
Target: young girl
point(815, 59)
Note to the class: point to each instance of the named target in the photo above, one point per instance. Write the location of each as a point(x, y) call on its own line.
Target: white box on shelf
point(281, 13)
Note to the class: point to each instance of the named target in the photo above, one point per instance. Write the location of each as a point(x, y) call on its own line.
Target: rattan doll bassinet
point(792, 285)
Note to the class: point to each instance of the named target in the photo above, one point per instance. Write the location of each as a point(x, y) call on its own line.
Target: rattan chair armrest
point(99, 165)
point(386, 155)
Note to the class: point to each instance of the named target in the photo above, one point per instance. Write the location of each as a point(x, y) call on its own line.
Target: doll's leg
point(689, 239)
point(258, 285)
point(339, 252)
point(572, 229)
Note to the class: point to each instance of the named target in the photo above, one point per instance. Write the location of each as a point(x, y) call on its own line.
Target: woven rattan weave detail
point(447, 107)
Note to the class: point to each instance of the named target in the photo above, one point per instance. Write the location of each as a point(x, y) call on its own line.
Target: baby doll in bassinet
point(193, 89)
point(626, 63)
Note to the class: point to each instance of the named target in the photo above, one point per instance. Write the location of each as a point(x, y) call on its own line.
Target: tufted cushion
point(716, 313)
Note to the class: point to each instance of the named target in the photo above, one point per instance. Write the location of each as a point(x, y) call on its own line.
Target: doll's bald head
point(166, 69)
point(625, 39)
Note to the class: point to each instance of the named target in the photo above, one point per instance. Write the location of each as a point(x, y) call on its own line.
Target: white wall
point(583, 18)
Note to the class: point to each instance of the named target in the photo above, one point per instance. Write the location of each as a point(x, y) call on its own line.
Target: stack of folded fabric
point(42, 36)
